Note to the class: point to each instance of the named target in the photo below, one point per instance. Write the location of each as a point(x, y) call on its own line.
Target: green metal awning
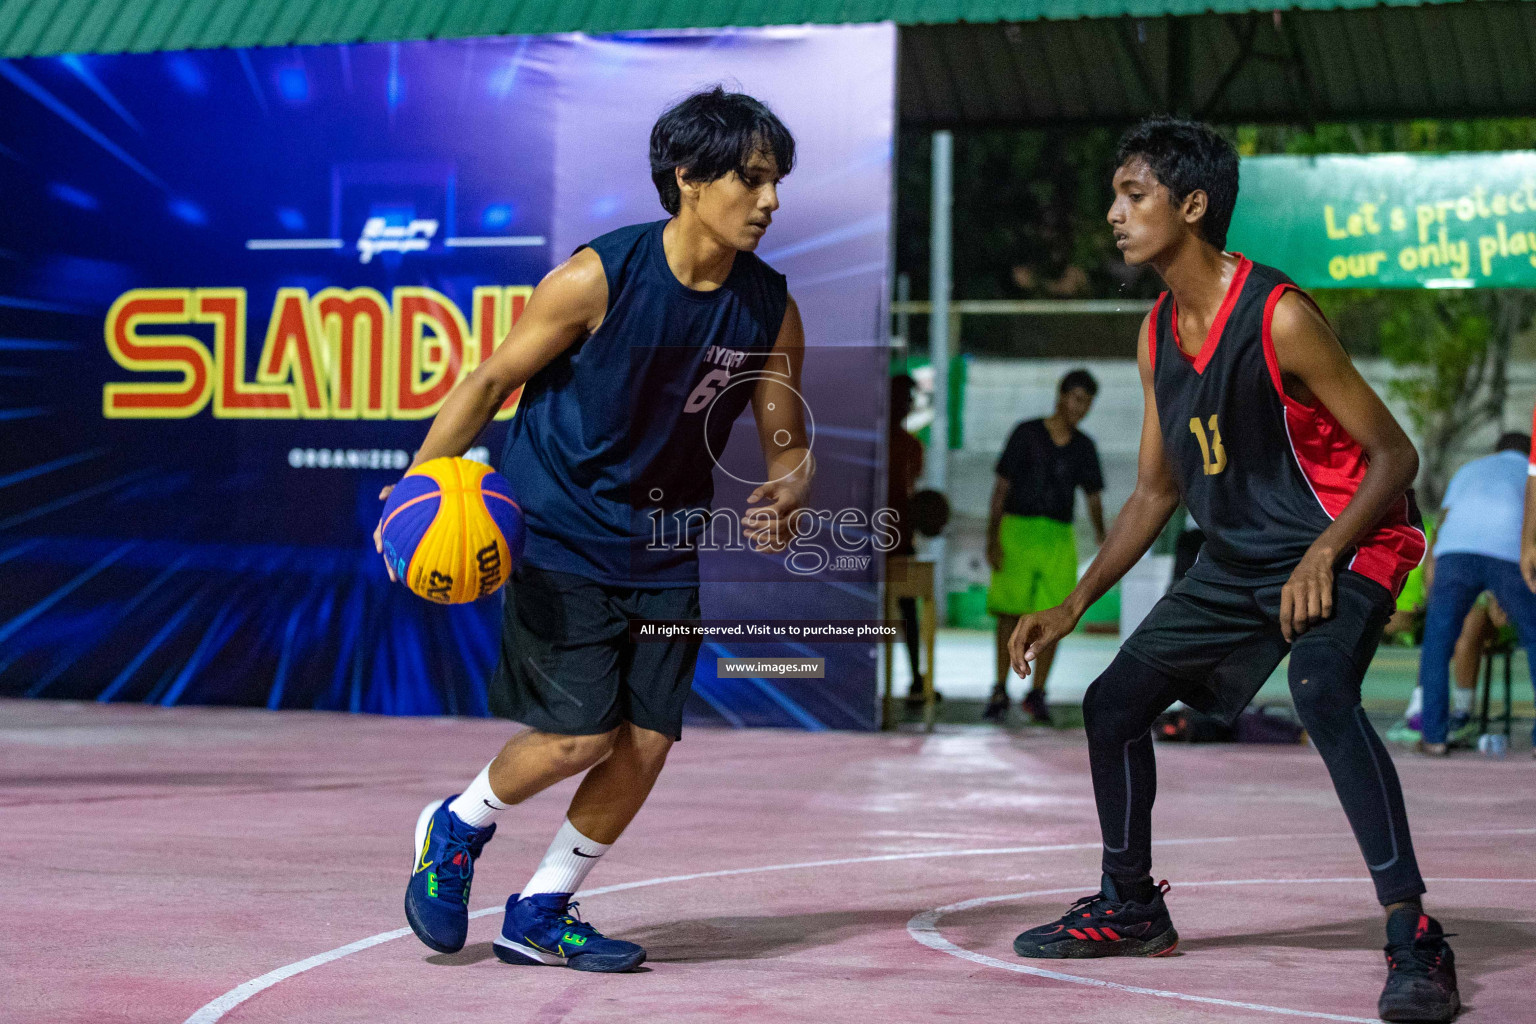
point(1351, 62)
point(43, 27)
point(964, 63)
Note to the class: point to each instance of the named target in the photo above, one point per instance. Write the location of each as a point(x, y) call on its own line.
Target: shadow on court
point(747, 937)
point(752, 937)
point(480, 952)
point(1485, 943)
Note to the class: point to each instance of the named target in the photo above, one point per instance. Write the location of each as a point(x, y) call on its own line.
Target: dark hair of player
point(1186, 156)
point(1514, 441)
point(1079, 379)
point(711, 134)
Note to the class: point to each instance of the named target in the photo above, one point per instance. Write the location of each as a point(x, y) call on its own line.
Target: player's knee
point(1320, 689)
point(649, 749)
point(578, 753)
point(1101, 714)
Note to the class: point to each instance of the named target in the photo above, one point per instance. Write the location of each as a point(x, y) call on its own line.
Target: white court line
point(924, 928)
point(215, 1010)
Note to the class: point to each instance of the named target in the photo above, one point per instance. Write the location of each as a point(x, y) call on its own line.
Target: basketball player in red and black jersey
point(1299, 476)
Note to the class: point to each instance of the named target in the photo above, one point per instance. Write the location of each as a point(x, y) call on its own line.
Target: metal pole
point(939, 288)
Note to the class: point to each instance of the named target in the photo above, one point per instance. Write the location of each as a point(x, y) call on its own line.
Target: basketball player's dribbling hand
point(770, 527)
point(1036, 632)
point(378, 537)
point(1307, 596)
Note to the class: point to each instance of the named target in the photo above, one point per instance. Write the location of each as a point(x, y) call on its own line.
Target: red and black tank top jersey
point(1261, 473)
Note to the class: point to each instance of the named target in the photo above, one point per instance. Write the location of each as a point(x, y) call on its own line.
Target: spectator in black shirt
point(1030, 544)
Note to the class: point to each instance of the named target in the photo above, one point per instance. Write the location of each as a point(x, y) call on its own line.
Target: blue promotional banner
point(236, 285)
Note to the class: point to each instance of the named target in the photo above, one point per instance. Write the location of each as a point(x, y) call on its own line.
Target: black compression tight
point(1119, 709)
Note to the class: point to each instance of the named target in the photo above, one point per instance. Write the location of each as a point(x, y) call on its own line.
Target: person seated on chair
point(1477, 548)
point(1485, 626)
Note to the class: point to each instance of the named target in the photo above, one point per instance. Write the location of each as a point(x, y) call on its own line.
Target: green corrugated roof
point(1445, 60)
point(42, 27)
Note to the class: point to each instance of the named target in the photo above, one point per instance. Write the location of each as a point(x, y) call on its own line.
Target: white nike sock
point(1461, 700)
point(566, 863)
point(477, 806)
point(1415, 703)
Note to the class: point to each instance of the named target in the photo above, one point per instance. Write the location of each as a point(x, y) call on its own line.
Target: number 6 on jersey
point(707, 389)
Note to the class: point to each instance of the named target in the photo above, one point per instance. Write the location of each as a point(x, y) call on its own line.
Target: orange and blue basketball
point(453, 530)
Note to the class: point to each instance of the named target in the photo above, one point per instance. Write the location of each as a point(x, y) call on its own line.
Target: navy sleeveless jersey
point(1262, 474)
point(616, 432)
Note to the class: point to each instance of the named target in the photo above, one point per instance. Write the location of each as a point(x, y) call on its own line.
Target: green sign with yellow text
point(1391, 220)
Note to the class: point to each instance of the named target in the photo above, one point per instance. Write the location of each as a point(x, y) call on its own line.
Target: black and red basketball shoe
point(1421, 970)
point(1104, 925)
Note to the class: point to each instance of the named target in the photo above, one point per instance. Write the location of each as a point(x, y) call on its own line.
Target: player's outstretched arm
point(1310, 356)
point(567, 305)
point(1141, 519)
point(781, 432)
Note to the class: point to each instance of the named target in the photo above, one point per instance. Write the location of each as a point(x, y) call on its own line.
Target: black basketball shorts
point(569, 667)
point(1225, 640)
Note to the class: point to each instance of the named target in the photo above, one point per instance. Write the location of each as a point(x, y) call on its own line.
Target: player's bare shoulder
point(576, 290)
point(1143, 346)
point(791, 329)
point(1297, 319)
point(1309, 354)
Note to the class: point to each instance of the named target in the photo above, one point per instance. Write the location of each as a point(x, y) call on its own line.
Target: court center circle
point(924, 928)
point(213, 1011)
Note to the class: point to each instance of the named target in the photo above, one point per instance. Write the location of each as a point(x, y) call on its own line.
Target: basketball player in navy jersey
point(628, 350)
point(1299, 476)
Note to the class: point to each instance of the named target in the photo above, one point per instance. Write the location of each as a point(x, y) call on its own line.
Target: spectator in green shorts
point(1030, 545)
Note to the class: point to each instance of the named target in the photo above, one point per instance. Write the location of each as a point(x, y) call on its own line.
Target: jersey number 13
point(1212, 451)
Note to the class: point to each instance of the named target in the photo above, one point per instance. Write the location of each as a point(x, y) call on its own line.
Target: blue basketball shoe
point(437, 899)
point(543, 930)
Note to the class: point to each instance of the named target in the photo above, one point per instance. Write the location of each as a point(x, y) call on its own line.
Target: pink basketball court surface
point(206, 865)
